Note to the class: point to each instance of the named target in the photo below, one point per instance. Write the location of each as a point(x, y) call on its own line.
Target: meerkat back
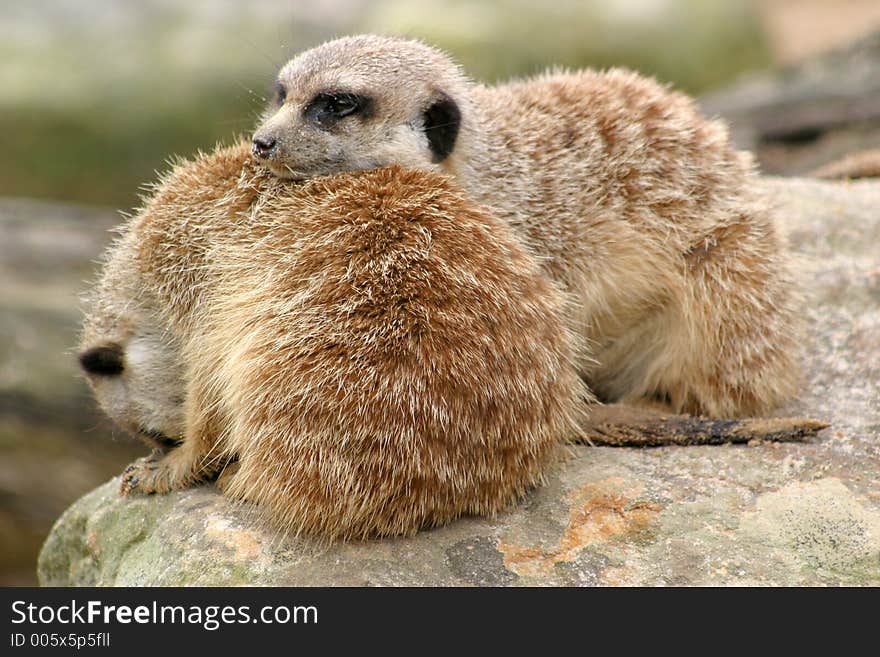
point(635, 204)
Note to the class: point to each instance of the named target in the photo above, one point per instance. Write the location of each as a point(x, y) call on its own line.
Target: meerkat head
point(134, 368)
point(363, 102)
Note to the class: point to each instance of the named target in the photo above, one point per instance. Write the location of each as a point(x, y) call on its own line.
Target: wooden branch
point(619, 425)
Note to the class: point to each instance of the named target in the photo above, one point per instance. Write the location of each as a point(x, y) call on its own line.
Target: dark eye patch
point(280, 93)
point(328, 108)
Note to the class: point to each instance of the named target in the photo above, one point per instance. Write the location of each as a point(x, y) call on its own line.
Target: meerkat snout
point(264, 146)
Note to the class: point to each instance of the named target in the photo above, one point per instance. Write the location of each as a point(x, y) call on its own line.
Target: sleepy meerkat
point(364, 354)
point(638, 207)
point(374, 352)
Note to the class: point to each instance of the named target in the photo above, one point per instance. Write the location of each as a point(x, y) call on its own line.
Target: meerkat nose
point(264, 146)
point(102, 361)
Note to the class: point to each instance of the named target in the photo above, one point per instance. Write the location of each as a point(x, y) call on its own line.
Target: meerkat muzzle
point(264, 147)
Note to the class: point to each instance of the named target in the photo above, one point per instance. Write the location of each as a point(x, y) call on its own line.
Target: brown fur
point(377, 353)
point(635, 204)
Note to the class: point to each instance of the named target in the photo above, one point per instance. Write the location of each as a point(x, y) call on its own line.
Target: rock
point(806, 115)
point(780, 514)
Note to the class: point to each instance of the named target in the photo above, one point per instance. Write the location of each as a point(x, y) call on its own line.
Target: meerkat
point(374, 352)
point(636, 205)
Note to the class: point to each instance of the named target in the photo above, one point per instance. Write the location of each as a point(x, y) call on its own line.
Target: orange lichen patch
point(597, 512)
point(526, 562)
point(242, 542)
point(92, 541)
point(618, 576)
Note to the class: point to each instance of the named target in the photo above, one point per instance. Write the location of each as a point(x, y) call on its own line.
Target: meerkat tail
point(620, 425)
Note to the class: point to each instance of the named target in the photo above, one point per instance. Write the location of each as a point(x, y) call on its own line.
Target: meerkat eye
point(343, 105)
point(327, 108)
point(280, 93)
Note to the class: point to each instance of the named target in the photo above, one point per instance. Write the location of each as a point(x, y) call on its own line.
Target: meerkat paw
point(135, 472)
point(157, 473)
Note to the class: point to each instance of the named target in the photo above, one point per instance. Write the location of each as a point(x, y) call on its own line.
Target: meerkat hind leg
point(623, 425)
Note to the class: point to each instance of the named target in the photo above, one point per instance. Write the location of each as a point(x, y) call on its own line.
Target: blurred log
point(804, 116)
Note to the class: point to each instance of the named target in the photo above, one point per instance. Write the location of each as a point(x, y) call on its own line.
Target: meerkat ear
point(442, 121)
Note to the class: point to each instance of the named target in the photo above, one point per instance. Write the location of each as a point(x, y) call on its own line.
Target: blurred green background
point(97, 95)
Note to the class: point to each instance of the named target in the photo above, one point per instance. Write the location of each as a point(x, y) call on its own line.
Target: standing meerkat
point(637, 206)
